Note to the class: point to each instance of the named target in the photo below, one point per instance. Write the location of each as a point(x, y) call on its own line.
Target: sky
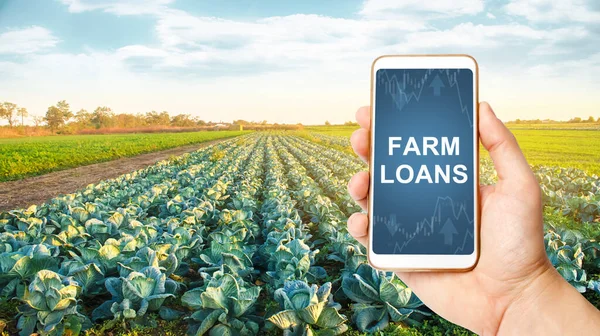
point(290, 61)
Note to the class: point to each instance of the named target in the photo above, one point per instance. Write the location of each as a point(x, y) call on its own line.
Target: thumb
point(511, 166)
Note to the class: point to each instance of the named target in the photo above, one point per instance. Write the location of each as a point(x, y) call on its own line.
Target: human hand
point(503, 293)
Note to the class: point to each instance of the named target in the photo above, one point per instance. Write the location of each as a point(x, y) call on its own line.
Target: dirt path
point(38, 189)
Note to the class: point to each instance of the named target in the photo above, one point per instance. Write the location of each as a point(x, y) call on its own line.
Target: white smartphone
point(424, 163)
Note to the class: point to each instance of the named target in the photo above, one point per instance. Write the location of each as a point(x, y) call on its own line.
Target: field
point(244, 236)
point(576, 148)
point(23, 157)
point(563, 125)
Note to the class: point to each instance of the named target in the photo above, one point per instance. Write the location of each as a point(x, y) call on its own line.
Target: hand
point(514, 276)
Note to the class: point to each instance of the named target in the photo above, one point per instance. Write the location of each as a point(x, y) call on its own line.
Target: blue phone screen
point(423, 167)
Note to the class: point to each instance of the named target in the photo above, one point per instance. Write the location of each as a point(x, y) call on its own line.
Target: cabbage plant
point(567, 259)
point(379, 299)
point(136, 294)
point(50, 306)
point(145, 257)
point(307, 310)
point(224, 307)
point(19, 267)
point(231, 258)
point(293, 261)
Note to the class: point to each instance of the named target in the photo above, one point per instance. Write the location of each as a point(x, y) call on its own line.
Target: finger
point(358, 227)
point(358, 188)
point(360, 143)
point(363, 117)
point(510, 164)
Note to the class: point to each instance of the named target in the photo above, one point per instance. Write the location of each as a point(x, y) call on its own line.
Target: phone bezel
point(413, 262)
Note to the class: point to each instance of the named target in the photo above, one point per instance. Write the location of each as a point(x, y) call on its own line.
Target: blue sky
point(290, 61)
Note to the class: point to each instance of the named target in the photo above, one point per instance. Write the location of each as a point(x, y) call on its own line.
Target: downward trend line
point(402, 98)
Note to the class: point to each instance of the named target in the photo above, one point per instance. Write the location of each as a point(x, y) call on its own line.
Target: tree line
point(60, 116)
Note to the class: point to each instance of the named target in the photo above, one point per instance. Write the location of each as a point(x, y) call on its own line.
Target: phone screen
point(423, 165)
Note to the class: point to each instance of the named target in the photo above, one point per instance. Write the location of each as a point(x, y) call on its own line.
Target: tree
point(22, 112)
point(126, 120)
point(575, 120)
point(58, 115)
point(54, 118)
point(156, 119)
point(38, 121)
point(327, 123)
point(590, 119)
point(64, 107)
point(3, 111)
point(83, 118)
point(182, 120)
point(102, 117)
point(7, 111)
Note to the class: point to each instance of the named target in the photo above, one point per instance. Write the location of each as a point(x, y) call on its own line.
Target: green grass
point(333, 130)
point(435, 326)
point(23, 157)
point(579, 126)
point(564, 148)
point(578, 148)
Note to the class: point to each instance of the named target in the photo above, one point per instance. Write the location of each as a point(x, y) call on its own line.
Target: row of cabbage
point(376, 298)
point(130, 240)
point(214, 230)
point(209, 230)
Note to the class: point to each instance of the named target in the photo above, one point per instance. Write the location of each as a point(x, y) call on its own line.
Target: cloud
point(554, 11)
point(27, 40)
point(481, 37)
point(586, 68)
point(212, 46)
point(294, 63)
point(281, 42)
point(438, 8)
point(118, 7)
point(490, 15)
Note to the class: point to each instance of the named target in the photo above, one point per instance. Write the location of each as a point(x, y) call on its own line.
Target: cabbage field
point(242, 237)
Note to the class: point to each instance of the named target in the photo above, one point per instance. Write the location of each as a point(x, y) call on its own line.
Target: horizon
point(290, 63)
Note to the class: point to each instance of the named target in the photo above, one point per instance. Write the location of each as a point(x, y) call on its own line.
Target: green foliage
point(50, 306)
point(197, 231)
point(223, 308)
point(292, 261)
point(16, 268)
point(568, 249)
point(57, 115)
point(434, 326)
point(379, 299)
point(39, 155)
point(136, 294)
point(307, 310)
point(158, 327)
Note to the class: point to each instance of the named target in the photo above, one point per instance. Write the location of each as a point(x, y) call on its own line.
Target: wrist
point(547, 305)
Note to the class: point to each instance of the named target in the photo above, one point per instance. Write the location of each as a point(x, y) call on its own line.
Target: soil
point(39, 189)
